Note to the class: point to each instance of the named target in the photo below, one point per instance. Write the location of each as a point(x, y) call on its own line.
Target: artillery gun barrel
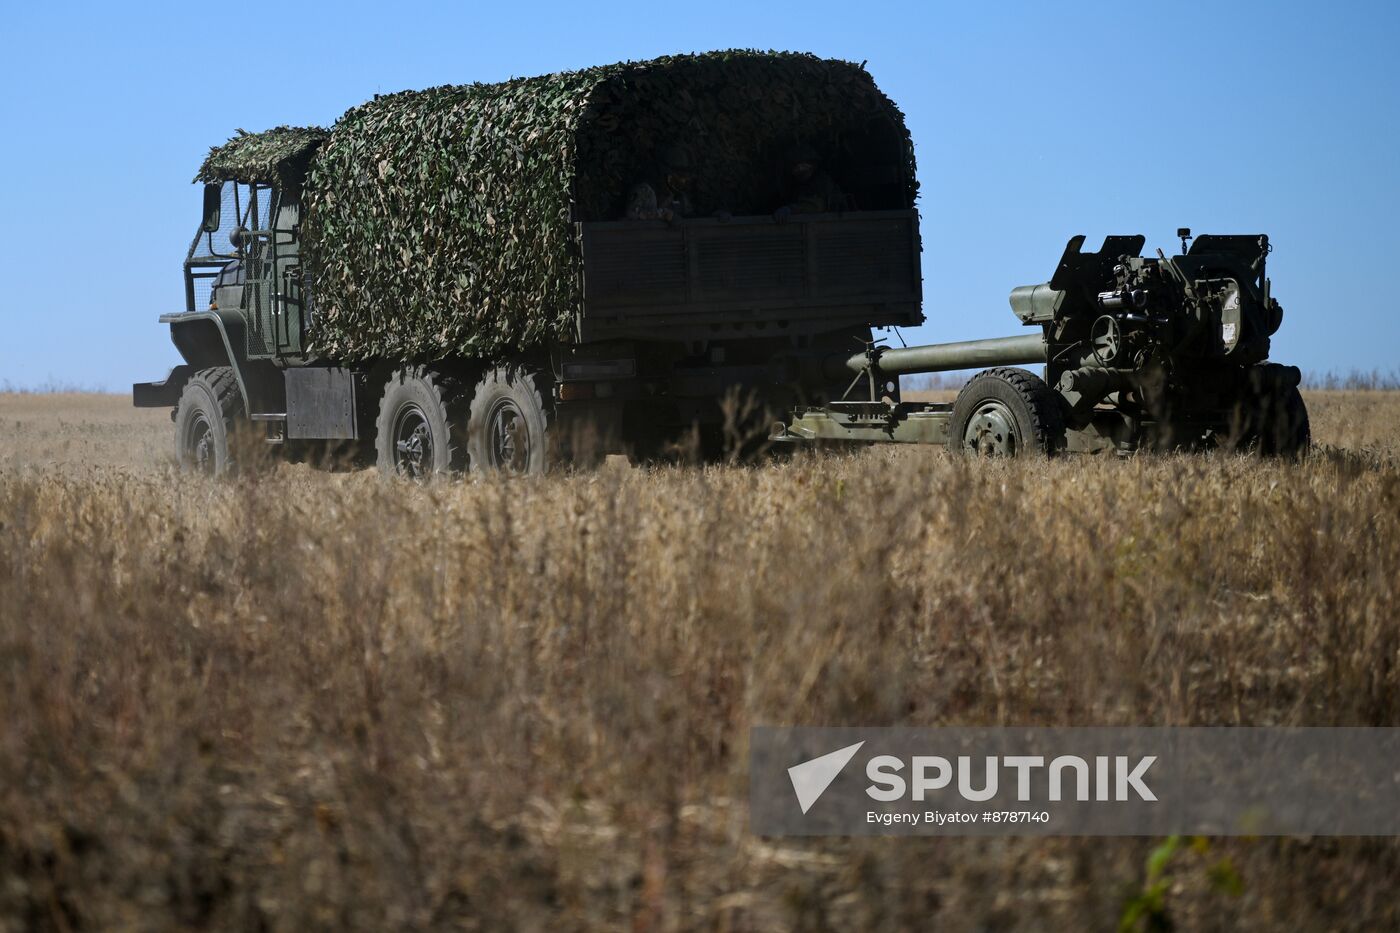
point(968, 354)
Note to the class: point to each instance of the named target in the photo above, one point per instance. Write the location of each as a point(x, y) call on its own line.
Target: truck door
point(289, 312)
point(273, 294)
point(259, 297)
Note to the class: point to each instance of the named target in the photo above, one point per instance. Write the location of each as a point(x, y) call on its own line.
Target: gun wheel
point(1006, 412)
point(1273, 424)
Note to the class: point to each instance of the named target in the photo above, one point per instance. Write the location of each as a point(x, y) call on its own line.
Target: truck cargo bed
point(706, 278)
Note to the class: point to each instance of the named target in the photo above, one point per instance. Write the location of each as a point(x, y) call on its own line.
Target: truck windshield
point(247, 207)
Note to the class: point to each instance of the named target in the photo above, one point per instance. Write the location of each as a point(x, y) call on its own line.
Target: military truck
point(448, 279)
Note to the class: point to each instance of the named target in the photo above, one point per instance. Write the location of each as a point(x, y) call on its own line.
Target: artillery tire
point(205, 416)
point(419, 430)
point(1006, 412)
point(511, 426)
point(1279, 425)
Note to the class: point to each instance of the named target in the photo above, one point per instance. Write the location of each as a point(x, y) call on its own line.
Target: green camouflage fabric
point(441, 222)
point(270, 157)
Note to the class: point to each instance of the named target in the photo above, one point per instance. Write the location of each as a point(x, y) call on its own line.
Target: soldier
point(667, 195)
point(810, 190)
point(232, 273)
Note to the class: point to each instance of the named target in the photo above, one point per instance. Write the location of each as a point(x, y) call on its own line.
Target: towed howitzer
point(1138, 351)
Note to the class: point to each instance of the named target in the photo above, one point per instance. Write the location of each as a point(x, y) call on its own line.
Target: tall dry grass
point(301, 700)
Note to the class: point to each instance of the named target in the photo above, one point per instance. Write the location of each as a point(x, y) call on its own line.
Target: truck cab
point(246, 256)
point(247, 306)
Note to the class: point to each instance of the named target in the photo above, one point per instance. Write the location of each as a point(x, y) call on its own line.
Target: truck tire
point(205, 416)
point(419, 432)
point(511, 426)
point(1006, 412)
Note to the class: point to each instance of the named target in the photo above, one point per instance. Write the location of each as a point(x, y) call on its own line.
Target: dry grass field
point(303, 700)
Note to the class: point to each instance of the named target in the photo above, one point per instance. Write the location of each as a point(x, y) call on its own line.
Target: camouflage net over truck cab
point(278, 156)
point(440, 222)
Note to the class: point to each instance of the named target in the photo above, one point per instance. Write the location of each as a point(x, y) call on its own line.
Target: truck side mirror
point(213, 206)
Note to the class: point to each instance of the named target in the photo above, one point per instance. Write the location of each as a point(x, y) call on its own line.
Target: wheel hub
point(510, 440)
point(413, 443)
point(991, 431)
point(200, 443)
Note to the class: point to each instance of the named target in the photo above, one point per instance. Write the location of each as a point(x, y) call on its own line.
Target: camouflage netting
point(268, 158)
point(440, 221)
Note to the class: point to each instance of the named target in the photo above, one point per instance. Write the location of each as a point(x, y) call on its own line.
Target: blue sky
point(1032, 122)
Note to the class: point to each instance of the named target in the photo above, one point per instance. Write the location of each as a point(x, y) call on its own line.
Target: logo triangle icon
point(811, 778)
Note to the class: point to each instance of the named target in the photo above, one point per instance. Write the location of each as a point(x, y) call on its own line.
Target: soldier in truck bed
point(666, 195)
point(809, 189)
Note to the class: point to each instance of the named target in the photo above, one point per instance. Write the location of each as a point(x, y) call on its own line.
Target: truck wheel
point(1006, 412)
point(510, 429)
point(418, 432)
point(204, 420)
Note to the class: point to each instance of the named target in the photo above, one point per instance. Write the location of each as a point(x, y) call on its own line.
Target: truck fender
point(204, 339)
